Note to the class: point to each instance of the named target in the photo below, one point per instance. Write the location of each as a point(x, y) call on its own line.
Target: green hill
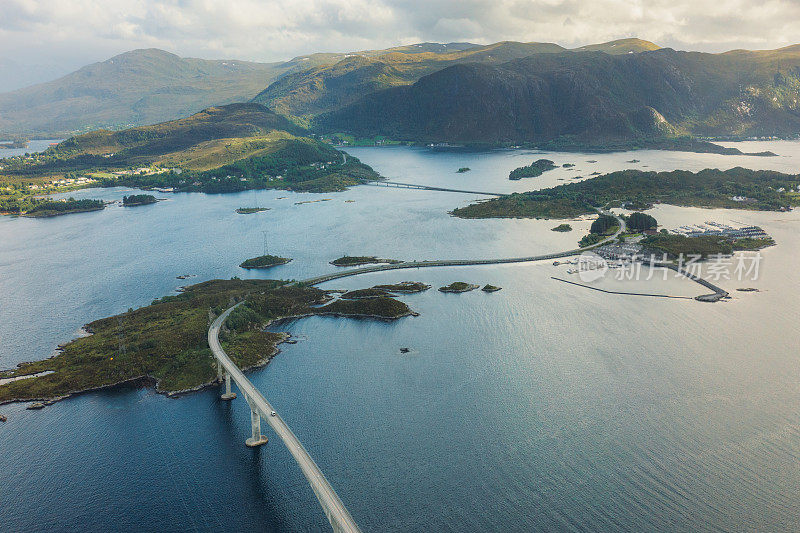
point(135, 88)
point(587, 98)
point(220, 149)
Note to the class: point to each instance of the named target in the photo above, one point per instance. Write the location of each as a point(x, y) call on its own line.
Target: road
point(334, 509)
point(464, 262)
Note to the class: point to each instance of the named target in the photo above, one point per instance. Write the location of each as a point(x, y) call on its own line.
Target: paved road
point(463, 262)
point(334, 509)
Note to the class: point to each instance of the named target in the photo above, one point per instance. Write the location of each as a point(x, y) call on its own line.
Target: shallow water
point(543, 406)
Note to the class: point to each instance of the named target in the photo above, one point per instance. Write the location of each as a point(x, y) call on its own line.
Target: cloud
point(41, 31)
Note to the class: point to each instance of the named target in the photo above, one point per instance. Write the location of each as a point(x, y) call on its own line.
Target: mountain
point(337, 80)
point(587, 97)
point(149, 86)
point(620, 46)
point(15, 74)
point(134, 88)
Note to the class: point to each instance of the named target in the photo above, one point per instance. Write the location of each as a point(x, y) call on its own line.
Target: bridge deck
point(333, 507)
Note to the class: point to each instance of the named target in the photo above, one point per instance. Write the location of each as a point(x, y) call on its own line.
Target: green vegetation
point(525, 205)
point(562, 228)
point(349, 260)
point(404, 287)
point(135, 88)
point(166, 344)
point(383, 308)
point(590, 239)
point(763, 190)
point(52, 208)
point(537, 168)
point(459, 286)
point(490, 288)
point(704, 246)
point(264, 261)
point(138, 199)
point(640, 222)
point(251, 210)
point(365, 293)
point(542, 98)
point(604, 225)
point(751, 243)
point(676, 245)
point(463, 169)
point(222, 149)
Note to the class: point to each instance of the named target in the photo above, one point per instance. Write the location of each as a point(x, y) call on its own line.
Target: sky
point(60, 35)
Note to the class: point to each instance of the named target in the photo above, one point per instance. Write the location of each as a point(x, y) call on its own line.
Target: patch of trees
point(603, 224)
point(641, 222)
point(138, 199)
point(69, 205)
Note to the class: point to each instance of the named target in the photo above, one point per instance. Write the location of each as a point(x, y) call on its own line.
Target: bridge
point(260, 408)
point(398, 185)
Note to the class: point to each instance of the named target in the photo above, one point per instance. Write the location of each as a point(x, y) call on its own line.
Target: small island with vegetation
point(535, 169)
point(166, 341)
point(251, 210)
point(490, 288)
point(459, 286)
point(357, 260)
point(404, 287)
point(54, 208)
point(562, 228)
point(264, 261)
point(383, 291)
point(138, 199)
point(463, 169)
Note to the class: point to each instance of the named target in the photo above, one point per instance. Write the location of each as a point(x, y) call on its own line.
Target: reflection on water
point(543, 406)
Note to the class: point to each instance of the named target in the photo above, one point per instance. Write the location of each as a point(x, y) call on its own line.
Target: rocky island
point(138, 199)
point(458, 287)
point(347, 260)
point(562, 228)
point(264, 261)
point(537, 168)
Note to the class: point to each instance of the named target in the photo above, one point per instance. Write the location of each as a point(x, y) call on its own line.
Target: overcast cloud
point(77, 32)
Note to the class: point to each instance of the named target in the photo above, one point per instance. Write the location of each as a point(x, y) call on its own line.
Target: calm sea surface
point(542, 407)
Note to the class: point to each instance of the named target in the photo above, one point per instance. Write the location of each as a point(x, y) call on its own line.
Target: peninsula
point(166, 342)
point(54, 208)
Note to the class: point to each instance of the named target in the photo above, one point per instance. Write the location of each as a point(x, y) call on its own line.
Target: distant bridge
point(399, 185)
